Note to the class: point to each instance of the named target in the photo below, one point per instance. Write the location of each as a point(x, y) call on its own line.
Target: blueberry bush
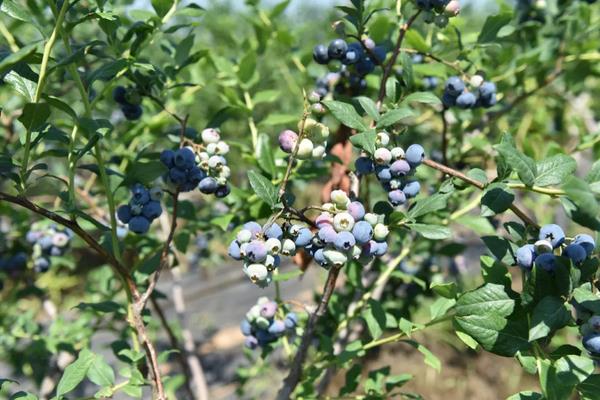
point(381, 143)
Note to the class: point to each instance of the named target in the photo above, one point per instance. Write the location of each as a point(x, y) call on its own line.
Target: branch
point(444, 137)
point(457, 174)
point(390, 65)
point(295, 374)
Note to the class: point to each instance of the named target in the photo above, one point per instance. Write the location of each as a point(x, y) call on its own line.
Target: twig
point(457, 174)
point(390, 65)
point(295, 374)
point(444, 137)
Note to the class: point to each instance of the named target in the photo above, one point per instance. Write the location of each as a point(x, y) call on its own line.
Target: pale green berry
point(222, 148)
point(543, 246)
point(262, 323)
point(210, 135)
point(476, 81)
point(383, 156)
point(397, 153)
point(288, 247)
point(211, 148)
point(273, 246)
point(253, 313)
point(383, 138)
point(328, 207)
point(257, 272)
point(318, 152)
point(372, 219)
point(355, 252)
point(270, 263)
point(340, 198)
point(244, 236)
point(305, 149)
point(334, 257)
point(343, 222)
point(380, 232)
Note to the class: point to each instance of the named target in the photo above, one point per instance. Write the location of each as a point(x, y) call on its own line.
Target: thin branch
point(444, 137)
point(295, 374)
point(457, 174)
point(390, 65)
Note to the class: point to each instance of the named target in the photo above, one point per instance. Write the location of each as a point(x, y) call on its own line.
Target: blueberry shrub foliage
point(371, 142)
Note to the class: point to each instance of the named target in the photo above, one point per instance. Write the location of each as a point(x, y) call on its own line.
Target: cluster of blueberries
point(347, 232)
point(143, 208)
point(313, 143)
point(261, 326)
point(439, 11)
point(357, 59)
point(393, 167)
point(130, 102)
point(482, 93)
point(541, 254)
point(205, 169)
point(591, 336)
point(47, 241)
point(261, 248)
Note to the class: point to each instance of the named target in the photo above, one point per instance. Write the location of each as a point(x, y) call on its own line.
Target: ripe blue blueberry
point(384, 174)
point(357, 210)
point(256, 251)
point(184, 158)
point(304, 237)
point(327, 234)
point(119, 94)
point(379, 54)
point(400, 168)
point(353, 53)
point(364, 66)
point(320, 54)
point(41, 264)
point(364, 166)
point(246, 328)
point(546, 261)
point(448, 100)
point(208, 185)
point(167, 157)
point(553, 233)
point(152, 210)
point(253, 227)
point(124, 213)
point(337, 48)
point(575, 252)
point(277, 328)
point(585, 241)
point(274, 231)
point(177, 176)
point(415, 154)
point(251, 342)
point(362, 232)
point(466, 100)
point(344, 241)
point(397, 197)
point(525, 256)
point(234, 250)
point(139, 224)
point(411, 189)
point(487, 89)
point(132, 111)
point(454, 86)
point(222, 191)
point(591, 343)
point(291, 320)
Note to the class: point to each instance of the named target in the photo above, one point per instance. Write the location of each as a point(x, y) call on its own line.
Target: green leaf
point(375, 318)
point(430, 358)
point(247, 66)
point(558, 380)
point(519, 162)
point(590, 387)
point(346, 114)
point(581, 194)
point(492, 26)
point(23, 86)
point(422, 97)
point(162, 7)
point(61, 105)
point(8, 62)
point(75, 372)
point(369, 106)
point(433, 232)
point(144, 172)
point(263, 188)
point(428, 205)
point(496, 199)
point(34, 115)
point(264, 155)
point(448, 290)
point(101, 373)
point(554, 170)
point(490, 299)
point(394, 116)
point(108, 71)
point(548, 315)
point(365, 140)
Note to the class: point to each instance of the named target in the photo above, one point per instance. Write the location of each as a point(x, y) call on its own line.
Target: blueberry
point(319, 257)
point(546, 261)
point(424, 4)
point(591, 343)
point(399, 168)
point(353, 54)
point(397, 197)
point(487, 89)
point(139, 224)
point(222, 191)
point(320, 54)
point(489, 101)
point(234, 250)
point(380, 248)
point(256, 251)
point(155, 193)
point(131, 111)
point(575, 252)
point(448, 100)
point(41, 264)
point(362, 232)
point(454, 86)
point(415, 154)
point(357, 210)
point(411, 189)
point(337, 48)
point(327, 234)
point(274, 231)
point(264, 337)
point(525, 256)
point(178, 176)
point(45, 242)
point(552, 233)
point(288, 140)
point(364, 66)
point(466, 100)
point(304, 237)
point(268, 309)
point(585, 241)
point(140, 194)
point(253, 227)
point(124, 213)
point(208, 185)
point(291, 320)
point(277, 328)
point(167, 157)
point(344, 241)
point(246, 328)
point(384, 174)
point(251, 342)
point(152, 210)
point(119, 94)
point(184, 158)
point(364, 166)
point(379, 52)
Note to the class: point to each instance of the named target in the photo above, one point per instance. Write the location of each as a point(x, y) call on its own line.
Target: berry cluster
point(47, 242)
point(205, 168)
point(261, 248)
point(143, 208)
point(313, 143)
point(541, 254)
point(591, 336)
point(130, 101)
point(393, 167)
point(482, 93)
point(358, 60)
point(261, 326)
point(439, 11)
point(346, 232)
